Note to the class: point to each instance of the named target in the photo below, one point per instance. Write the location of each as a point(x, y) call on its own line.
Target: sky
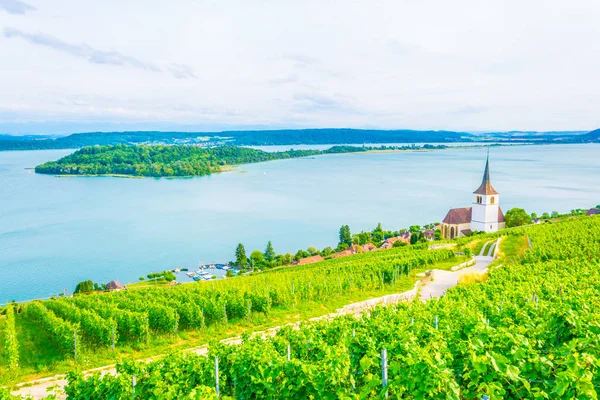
point(476, 65)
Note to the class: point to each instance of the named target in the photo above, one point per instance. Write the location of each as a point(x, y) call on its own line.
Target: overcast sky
point(68, 65)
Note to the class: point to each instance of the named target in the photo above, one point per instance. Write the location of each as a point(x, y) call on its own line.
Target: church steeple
point(486, 183)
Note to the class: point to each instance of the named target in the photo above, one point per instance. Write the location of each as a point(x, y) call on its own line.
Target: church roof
point(593, 211)
point(500, 215)
point(486, 184)
point(458, 216)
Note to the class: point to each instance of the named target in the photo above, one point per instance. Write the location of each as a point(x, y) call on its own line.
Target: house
point(429, 234)
point(368, 247)
point(114, 286)
point(348, 252)
point(485, 215)
point(593, 211)
point(309, 260)
point(405, 236)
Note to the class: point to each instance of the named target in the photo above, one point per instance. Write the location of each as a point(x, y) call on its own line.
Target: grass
point(148, 283)
point(474, 277)
point(477, 245)
point(39, 358)
point(512, 247)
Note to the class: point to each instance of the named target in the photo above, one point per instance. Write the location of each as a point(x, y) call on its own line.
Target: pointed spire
point(486, 183)
point(486, 173)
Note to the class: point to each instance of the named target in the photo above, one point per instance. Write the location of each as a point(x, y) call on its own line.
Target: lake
point(57, 231)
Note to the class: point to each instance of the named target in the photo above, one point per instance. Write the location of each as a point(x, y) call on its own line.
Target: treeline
point(170, 161)
point(160, 160)
point(269, 258)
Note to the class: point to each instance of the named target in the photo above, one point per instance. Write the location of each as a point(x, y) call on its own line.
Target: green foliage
point(11, 345)
point(345, 236)
point(240, 256)
point(257, 258)
point(516, 217)
point(530, 330)
point(270, 254)
point(62, 333)
point(326, 252)
point(399, 243)
point(85, 287)
point(160, 160)
point(96, 329)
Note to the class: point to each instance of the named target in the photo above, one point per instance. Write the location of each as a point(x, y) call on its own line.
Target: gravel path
point(444, 280)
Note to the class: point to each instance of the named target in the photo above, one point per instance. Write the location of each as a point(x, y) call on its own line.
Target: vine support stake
point(436, 322)
point(384, 371)
point(112, 338)
point(75, 343)
point(217, 376)
point(133, 383)
point(289, 352)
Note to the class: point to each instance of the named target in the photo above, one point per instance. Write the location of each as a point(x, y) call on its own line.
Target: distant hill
point(287, 137)
point(593, 136)
point(247, 138)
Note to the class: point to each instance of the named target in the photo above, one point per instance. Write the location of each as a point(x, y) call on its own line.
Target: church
point(485, 215)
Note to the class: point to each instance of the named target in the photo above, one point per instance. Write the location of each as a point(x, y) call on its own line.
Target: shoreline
point(235, 168)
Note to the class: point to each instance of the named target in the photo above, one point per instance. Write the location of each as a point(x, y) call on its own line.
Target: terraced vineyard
point(530, 330)
point(77, 328)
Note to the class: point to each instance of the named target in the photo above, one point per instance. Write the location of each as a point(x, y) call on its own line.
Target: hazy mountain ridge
point(286, 137)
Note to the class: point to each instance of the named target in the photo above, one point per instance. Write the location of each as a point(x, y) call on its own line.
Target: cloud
point(301, 60)
point(16, 6)
point(322, 103)
point(96, 56)
point(469, 110)
point(182, 71)
point(284, 80)
point(401, 48)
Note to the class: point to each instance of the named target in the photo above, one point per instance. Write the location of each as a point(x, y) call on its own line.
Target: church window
point(492, 200)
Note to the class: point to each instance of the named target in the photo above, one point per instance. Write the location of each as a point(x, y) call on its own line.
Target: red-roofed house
point(593, 211)
point(368, 247)
point(310, 260)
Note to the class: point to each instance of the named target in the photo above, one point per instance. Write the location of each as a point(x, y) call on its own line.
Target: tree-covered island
point(174, 161)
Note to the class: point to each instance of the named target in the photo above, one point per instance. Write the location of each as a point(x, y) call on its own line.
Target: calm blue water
point(55, 232)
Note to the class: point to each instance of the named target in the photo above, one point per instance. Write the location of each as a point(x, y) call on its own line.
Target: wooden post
point(436, 322)
point(75, 343)
point(289, 353)
point(217, 375)
point(412, 320)
point(384, 371)
point(249, 310)
point(113, 337)
point(133, 383)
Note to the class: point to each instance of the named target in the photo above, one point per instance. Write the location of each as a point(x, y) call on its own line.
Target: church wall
point(485, 214)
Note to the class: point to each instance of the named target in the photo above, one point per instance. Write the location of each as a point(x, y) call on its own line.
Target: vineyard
point(77, 328)
point(530, 330)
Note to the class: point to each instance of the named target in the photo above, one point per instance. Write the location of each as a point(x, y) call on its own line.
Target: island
point(180, 160)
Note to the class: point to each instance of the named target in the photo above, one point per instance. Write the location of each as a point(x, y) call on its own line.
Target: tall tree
point(257, 258)
point(378, 233)
point(240, 256)
point(345, 235)
point(516, 217)
point(269, 252)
